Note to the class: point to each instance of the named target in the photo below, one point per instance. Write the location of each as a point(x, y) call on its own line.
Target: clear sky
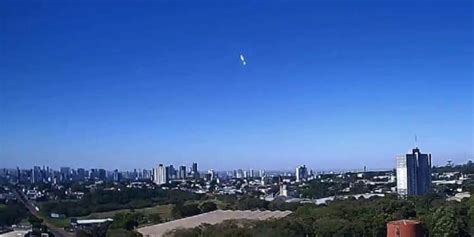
point(329, 84)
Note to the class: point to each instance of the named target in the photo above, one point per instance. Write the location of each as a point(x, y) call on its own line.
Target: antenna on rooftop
point(416, 141)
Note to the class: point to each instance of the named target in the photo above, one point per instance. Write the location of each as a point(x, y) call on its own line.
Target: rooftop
point(404, 222)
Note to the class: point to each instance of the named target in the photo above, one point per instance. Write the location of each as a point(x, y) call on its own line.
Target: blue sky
point(329, 84)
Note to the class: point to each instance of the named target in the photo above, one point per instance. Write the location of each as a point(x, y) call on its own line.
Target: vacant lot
point(209, 218)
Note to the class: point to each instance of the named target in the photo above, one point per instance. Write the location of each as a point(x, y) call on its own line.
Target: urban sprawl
point(166, 198)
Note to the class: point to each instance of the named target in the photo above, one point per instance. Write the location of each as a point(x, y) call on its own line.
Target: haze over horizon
point(329, 84)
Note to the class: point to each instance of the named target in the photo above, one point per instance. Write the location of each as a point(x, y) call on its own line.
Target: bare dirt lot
point(209, 218)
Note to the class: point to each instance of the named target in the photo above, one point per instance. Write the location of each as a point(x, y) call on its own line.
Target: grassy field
point(163, 210)
point(60, 222)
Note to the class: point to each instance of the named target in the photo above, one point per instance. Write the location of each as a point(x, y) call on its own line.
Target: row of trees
point(249, 202)
point(184, 210)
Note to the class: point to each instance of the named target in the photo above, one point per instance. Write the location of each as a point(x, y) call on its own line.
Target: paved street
point(58, 232)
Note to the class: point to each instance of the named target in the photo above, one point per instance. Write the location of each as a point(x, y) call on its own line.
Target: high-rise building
point(182, 172)
point(102, 174)
point(161, 174)
point(93, 174)
point(134, 175)
point(261, 173)
point(46, 173)
point(117, 176)
point(171, 172)
point(147, 174)
point(251, 173)
point(18, 174)
point(212, 175)
point(240, 174)
point(301, 173)
point(194, 171)
point(414, 173)
point(36, 175)
point(65, 174)
point(81, 174)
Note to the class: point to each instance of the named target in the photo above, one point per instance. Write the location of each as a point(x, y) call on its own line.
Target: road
point(57, 232)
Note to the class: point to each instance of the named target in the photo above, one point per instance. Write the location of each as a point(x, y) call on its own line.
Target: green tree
point(471, 216)
point(332, 227)
point(11, 213)
point(180, 210)
point(443, 223)
point(126, 220)
point(154, 218)
point(208, 206)
point(251, 203)
point(122, 233)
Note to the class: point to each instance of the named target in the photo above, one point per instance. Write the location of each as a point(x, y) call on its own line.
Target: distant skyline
point(329, 84)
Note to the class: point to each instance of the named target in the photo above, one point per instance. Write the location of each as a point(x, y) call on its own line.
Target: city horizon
point(287, 169)
point(436, 162)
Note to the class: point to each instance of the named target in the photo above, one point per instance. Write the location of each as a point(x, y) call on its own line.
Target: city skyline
point(365, 166)
point(300, 168)
point(413, 174)
point(328, 85)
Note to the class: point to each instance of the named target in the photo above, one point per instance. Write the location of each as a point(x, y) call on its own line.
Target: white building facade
point(160, 175)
